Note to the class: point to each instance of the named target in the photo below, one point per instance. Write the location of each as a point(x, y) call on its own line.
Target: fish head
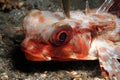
point(50, 36)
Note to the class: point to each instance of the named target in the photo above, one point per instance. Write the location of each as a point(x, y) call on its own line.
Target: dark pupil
point(62, 36)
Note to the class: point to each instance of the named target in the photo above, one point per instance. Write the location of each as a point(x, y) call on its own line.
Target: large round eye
point(61, 34)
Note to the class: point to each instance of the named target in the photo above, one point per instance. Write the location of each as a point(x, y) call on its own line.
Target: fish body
point(83, 32)
point(52, 36)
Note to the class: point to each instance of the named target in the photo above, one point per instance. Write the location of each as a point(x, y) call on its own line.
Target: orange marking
point(111, 25)
point(111, 54)
point(109, 42)
point(111, 37)
point(49, 19)
point(99, 16)
point(92, 23)
point(36, 14)
point(57, 15)
point(104, 58)
point(103, 49)
point(41, 19)
point(117, 49)
point(112, 17)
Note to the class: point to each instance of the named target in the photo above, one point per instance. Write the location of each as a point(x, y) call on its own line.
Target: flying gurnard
point(74, 35)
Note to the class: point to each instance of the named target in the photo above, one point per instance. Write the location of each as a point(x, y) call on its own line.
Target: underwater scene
point(59, 39)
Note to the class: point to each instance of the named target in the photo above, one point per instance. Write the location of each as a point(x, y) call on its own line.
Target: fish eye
point(61, 35)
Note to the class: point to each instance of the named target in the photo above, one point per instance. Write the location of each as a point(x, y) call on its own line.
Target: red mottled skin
point(89, 36)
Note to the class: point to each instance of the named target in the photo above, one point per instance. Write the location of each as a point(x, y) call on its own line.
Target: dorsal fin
point(66, 8)
point(105, 6)
point(87, 9)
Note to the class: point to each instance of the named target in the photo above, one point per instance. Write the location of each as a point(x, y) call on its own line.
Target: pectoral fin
point(108, 54)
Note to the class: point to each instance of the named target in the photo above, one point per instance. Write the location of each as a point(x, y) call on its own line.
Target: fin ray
point(105, 6)
point(108, 55)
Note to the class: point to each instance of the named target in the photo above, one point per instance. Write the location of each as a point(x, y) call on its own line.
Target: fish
point(83, 36)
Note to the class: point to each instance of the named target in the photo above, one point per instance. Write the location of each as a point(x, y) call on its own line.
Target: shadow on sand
point(20, 63)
